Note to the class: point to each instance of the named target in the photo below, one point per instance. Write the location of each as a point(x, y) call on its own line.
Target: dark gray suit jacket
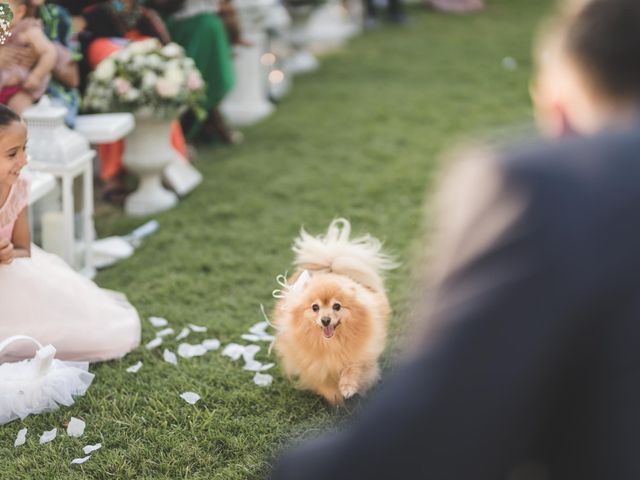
point(531, 368)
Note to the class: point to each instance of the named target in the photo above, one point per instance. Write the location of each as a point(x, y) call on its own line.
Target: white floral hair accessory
point(6, 17)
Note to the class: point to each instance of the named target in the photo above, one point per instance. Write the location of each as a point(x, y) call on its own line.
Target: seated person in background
point(21, 86)
point(529, 364)
point(196, 25)
point(63, 86)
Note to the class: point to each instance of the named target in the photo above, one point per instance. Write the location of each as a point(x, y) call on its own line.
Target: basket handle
point(8, 341)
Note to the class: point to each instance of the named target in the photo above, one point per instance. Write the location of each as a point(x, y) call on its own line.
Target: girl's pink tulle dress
point(42, 297)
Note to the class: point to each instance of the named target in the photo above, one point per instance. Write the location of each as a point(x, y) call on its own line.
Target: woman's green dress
point(204, 39)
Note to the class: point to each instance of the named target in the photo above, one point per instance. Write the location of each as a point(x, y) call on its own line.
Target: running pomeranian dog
point(332, 315)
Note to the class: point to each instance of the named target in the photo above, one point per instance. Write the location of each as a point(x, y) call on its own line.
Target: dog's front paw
point(348, 389)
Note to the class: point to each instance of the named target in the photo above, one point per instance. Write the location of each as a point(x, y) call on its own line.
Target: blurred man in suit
point(531, 365)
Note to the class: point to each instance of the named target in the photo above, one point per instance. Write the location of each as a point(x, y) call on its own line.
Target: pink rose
point(122, 86)
point(194, 81)
point(166, 88)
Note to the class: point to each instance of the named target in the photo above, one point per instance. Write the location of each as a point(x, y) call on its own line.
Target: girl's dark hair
point(604, 38)
point(8, 116)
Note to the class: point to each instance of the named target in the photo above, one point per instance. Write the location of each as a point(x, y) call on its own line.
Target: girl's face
point(13, 156)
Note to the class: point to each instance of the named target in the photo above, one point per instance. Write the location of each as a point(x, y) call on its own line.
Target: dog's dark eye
point(315, 307)
point(336, 306)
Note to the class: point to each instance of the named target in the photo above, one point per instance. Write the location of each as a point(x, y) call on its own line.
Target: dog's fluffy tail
point(359, 258)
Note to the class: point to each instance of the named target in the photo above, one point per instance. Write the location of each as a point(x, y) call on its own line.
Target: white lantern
point(50, 140)
point(55, 149)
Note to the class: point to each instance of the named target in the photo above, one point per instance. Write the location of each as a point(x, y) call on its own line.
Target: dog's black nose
point(326, 321)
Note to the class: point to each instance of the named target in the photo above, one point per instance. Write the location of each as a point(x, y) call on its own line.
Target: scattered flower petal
point(253, 366)
point(46, 437)
point(156, 342)
point(76, 427)
point(21, 438)
point(78, 461)
point(250, 337)
point(258, 333)
point(250, 352)
point(259, 328)
point(190, 397)
point(165, 332)
point(263, 379)
point(170, 357)
point(211, 344)
point(233, 351)
point(135, 367)
point(197, 328)
point(91, 448)
point(158, 322)
point(186, 350)
point(183, 334)
point(267, 366)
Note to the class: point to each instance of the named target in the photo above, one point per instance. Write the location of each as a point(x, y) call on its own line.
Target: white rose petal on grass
point(158, 322)
point(190, 397)
point(250, 352)
point(165, 332)
point(183, 334)
point(197, 328)
point(156, 342)
point(46, 437)
point(211, 344)
point(135, 367)
point(263, 379)
point(21, 438)
point(170, 357)
point(76, 427)
point(186, 350)
point(250, 337)
point(255, 366)
point(91, 448)
point(233, 351)
point(78, 461)
point(257, 333)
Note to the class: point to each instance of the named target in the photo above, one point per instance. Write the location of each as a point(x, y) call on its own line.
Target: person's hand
point(32, 83)
point(6, 252)
point(17, 55)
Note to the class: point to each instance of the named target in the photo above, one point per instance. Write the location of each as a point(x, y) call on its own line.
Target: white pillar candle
point(53, 233)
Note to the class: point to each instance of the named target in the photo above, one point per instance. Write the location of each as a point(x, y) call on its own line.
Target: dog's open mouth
point(329, 330)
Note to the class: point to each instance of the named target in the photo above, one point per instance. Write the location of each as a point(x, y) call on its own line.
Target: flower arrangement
point(147, 79)
point(6, 17)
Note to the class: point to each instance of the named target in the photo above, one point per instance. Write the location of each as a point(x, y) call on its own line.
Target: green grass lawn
point(360, 138)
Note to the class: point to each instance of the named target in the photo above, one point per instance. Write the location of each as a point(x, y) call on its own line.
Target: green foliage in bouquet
point(147, 79)
point(6, 17)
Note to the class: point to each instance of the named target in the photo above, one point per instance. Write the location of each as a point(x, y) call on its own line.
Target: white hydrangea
point(171, 50)
point(105, 70)
point(175, 75)
point(149, 80)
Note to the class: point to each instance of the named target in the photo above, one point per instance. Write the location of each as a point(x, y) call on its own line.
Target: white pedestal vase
point(148, 151)
point(302, 60)
point(248, 102)
point(330, 26)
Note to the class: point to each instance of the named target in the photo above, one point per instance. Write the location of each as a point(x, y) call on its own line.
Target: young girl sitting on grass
point(20, 87)
point(40, 296)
